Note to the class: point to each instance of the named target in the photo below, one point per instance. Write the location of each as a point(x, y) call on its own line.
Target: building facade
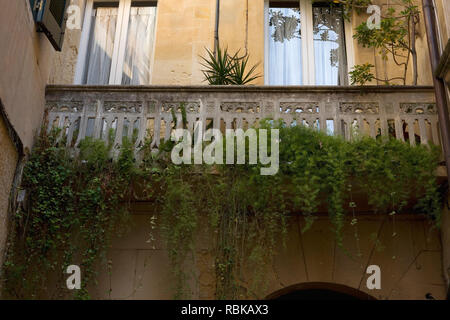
point(25, 71)
point(144, 55)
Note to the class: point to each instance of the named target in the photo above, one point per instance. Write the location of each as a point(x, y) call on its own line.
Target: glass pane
point(139, 48)
point(329, 46)
point(101, 45)
point(57, 10)
point(285, 44)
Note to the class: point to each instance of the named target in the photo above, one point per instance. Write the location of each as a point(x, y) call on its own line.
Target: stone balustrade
point(406, 113)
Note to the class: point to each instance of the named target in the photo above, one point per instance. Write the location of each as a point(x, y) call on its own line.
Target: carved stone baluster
point(132, 119)
point(169, 123)
point(411, 132)
point(143, 123)
point(228, 122)
point(62, 118)
point(276, 111)
point(119, 132)
point(190, 124)
point(179, 119)
point(108, 126)
point(98, 119)
point(423, 131)
point(83, 123)
point(399, 129)
point(435, 132)
point(239, 123)
point(158, 118)
point(323, 118)
point(72, 119)
point(372, 127)
point(332, 109)
point(360, 121)
point(386, 113)
point(345, 124)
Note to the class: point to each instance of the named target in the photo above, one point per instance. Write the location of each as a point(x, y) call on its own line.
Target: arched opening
point(319, 291)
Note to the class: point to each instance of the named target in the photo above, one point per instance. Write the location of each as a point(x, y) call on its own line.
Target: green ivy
point(76, 202)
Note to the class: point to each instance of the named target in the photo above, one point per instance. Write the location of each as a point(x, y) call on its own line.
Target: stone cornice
point(247, 89)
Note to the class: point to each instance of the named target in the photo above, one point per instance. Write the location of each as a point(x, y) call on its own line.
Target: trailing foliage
point(73, 206)
point(75, 202)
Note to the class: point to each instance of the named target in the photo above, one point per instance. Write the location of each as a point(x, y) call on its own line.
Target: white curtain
point(285, 47)
point(329, 46)
point(101, 46)
point(139, 47)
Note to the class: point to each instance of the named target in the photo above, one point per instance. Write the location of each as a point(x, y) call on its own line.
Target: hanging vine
point(76, 202)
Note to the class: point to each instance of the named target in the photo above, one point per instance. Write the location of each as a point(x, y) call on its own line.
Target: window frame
point(120, 42)
point(46, 20)
point(308, 63)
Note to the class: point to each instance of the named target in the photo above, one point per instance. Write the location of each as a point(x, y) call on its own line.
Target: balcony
point(404, 112)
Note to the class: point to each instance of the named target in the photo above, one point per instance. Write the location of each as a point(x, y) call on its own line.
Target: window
point(50, 19)
point(117, 43)
point(305, 44)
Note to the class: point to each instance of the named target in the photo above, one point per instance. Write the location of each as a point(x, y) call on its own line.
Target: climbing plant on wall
point(77, 201)
point(73, 205)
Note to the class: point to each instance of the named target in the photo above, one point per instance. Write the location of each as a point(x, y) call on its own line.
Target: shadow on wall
point(319, 291)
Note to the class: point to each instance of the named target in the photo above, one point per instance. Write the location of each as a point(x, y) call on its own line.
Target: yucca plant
point(224, 69)
point(239, 74)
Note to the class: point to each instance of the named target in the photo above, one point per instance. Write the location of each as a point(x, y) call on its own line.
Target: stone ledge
point(249, 88)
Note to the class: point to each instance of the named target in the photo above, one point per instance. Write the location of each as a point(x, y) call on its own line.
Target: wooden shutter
point(51, 19)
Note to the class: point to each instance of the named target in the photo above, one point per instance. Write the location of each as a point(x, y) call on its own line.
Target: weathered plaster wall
point(24, 70)
point(8, 161)
point(410, 262)
point(186, 27)
point(64, 62)
point(242, 28)
point(443, 14)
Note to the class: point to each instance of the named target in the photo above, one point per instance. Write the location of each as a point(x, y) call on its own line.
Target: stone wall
point(8, 162)
point(443, 15)
point(186, 27)
point(24, 70)
point(410, 262)
point(64, 62)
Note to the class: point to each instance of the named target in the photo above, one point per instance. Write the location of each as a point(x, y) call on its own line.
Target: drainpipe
point(216, 29)
point(441, 95)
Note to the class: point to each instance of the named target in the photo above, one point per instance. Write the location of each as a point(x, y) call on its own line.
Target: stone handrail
point(400, 111)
